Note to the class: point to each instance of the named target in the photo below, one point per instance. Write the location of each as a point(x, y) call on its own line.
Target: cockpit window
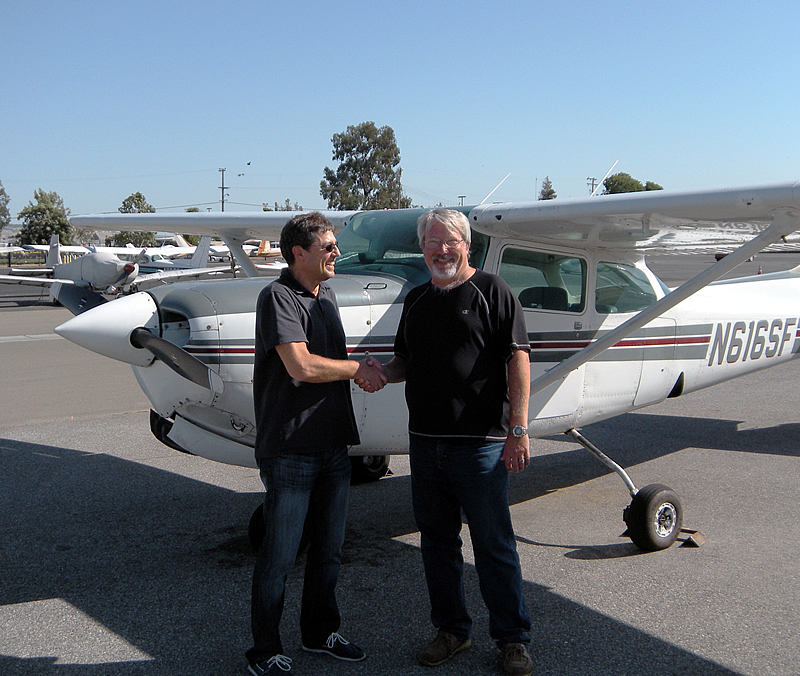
point(385, 242)
point(545, 281)
point(622, 288)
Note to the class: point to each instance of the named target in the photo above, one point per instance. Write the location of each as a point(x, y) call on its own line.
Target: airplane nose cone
point(106, 329)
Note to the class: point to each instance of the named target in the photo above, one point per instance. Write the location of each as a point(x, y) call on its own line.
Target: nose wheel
point(655, 515)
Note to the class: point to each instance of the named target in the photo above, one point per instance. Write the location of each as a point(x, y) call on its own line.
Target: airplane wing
point(651, 222)
point(236, 225)
point(30, 281)
point(233, 228)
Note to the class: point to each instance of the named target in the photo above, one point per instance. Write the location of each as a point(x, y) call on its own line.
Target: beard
point(447, 274)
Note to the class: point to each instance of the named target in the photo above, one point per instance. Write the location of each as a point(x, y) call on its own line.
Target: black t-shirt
point(292, 415)
point(457, 344)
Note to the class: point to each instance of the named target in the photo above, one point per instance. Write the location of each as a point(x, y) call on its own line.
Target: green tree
point(5, 217)
point(547, 192)
point(622, 182)
point(47, 217)
point(136, 204)
point(368, 175)
point(286, 206)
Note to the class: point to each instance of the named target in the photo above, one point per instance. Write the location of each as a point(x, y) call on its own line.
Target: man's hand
point(516, 454)
point(370, 376)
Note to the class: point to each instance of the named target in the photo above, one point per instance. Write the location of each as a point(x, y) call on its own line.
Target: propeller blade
point(178, 359)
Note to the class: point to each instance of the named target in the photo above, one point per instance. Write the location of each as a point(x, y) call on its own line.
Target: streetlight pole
point(223, 187)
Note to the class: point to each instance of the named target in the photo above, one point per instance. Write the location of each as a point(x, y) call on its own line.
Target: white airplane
point(101, 272)
point(153, 260)
point(607, 337)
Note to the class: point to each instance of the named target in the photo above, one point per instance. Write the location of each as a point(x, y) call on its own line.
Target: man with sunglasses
point(462, 350)
point(304, 424)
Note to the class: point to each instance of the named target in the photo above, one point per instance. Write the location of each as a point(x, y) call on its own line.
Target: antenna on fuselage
point(495, 188)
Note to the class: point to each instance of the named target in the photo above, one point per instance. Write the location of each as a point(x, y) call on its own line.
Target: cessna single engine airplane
point(100, 271)
point(606, 335)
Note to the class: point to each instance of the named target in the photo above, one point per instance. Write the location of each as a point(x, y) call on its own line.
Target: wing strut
point(784, 222)
point(235, 247)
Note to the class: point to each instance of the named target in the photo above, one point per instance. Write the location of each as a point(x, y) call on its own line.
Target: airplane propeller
point(178, 359)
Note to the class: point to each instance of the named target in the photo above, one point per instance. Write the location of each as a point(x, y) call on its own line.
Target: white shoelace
point(333, 638)
point(284, 663)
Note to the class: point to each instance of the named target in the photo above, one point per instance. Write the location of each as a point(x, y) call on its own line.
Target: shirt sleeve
point(280, 320)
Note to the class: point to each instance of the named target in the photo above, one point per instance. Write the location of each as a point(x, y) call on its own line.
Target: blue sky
point(103, 99)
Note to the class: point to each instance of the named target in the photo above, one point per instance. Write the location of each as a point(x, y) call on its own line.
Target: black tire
point(654, 518)
point(367, 468)
point(160, 427)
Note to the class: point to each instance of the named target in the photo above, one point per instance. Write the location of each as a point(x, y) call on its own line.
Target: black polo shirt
point(292, 415)
point(457, 345)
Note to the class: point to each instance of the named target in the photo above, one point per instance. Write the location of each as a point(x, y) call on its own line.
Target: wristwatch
point(518, 431)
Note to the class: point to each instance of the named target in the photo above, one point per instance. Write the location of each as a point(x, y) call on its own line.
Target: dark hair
point(301, 231)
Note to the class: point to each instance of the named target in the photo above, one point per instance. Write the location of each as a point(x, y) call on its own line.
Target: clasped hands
point(370, 375)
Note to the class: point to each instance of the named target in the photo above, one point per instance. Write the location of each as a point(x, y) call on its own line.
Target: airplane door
point(551, 288)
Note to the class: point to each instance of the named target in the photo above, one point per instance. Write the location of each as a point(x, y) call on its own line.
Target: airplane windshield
point(622, 288)
point(385, 242)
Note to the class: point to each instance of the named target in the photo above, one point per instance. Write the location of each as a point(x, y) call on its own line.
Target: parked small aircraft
point(101, 272)
point(104, 272)
point(606, 335)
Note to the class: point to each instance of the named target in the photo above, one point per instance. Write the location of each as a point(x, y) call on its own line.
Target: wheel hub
point(665, 519)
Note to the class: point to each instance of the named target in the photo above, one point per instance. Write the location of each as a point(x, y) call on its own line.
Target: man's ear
point(299, 252)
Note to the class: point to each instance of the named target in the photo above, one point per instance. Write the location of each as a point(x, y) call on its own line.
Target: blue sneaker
point(338, 647)
point(274, 665)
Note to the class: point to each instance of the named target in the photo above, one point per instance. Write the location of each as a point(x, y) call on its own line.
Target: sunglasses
point(329, 247)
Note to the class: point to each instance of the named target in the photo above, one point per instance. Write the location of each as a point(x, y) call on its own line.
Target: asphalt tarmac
point(121, 556)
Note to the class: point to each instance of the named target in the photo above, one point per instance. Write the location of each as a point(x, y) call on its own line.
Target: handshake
point(370, 376)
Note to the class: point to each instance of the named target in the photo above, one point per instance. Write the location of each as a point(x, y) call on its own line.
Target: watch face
point(518, 431)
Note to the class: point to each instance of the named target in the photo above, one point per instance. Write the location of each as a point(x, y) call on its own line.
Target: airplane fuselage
point(724, 331)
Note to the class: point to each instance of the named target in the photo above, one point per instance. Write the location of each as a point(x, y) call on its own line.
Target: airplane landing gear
point(655, 515)
point(654, 518)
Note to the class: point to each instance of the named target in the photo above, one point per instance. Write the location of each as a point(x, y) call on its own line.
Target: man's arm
point(395, 370)
point(307, 367)
point(516, 453)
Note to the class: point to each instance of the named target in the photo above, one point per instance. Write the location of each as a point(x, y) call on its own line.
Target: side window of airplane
point(622, 288)
point(545, 281)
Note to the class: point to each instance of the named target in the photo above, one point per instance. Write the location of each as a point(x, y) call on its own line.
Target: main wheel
point(654, 518)
point(368, 468)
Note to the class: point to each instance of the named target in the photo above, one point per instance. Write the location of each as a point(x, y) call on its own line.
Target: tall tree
point(622, 182)
point(134, 204)
point(5, 217)
point(47, 217)
point(368, 176)
point(547, 192)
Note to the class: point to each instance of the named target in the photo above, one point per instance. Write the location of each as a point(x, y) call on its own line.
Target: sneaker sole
point(334, 655)
point(466, 644)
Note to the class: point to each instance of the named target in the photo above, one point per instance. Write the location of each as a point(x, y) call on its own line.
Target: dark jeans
point(448, 476)
point(310, 489)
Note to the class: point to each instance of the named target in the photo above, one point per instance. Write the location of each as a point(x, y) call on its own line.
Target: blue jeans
point(308, 490)
point(448, 476)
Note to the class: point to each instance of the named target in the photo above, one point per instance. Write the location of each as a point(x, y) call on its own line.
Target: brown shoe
point(516, 661)
point(441, 649)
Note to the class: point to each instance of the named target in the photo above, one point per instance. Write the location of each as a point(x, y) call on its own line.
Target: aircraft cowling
point(98, 271)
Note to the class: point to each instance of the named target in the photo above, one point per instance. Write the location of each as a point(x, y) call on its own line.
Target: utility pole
point(592, 182)
point(223, 187)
